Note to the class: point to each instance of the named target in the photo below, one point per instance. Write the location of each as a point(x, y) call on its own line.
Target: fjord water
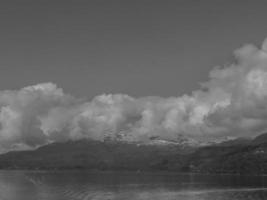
point(81, 185)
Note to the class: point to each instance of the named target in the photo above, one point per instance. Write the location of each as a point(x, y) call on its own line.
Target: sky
point(141, 48)
point(131, 70)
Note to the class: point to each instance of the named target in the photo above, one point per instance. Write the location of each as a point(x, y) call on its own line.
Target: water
point(75, 185)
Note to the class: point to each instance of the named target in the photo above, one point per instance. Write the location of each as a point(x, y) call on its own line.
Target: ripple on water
point(80, 186)
point(231, 194)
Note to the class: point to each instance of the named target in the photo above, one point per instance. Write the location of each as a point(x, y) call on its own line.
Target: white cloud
point(232, 103)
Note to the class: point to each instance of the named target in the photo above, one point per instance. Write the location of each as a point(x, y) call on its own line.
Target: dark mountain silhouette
point(237, 141)
point(102, 155)
point(260, 139)
point(241, 155)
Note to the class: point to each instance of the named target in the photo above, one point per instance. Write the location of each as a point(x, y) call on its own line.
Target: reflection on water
point(74, 185)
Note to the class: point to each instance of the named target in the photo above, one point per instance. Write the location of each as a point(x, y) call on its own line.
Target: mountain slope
point(260, 139)
point(233, 156)
point(89, 154)
point(241, 159)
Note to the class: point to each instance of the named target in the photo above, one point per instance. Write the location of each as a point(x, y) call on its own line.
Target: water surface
point(81, 185)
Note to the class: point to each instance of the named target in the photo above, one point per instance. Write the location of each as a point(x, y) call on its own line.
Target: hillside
point(233, 156)
point(237, 156)
point(89, 154)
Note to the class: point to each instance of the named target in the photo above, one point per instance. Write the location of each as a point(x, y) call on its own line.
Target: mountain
point(181, 141)
point(235, 142)
point(260, 139)
point(240, 155)
point(249, 159)
point(102, 155)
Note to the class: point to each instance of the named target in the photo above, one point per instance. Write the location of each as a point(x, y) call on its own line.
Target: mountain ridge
point(240, 155)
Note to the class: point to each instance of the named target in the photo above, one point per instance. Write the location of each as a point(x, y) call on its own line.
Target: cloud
point(232, 103)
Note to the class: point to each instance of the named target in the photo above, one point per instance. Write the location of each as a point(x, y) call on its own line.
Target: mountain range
point(241, 155)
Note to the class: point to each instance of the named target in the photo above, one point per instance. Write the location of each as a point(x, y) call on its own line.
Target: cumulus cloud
point(232, 103)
